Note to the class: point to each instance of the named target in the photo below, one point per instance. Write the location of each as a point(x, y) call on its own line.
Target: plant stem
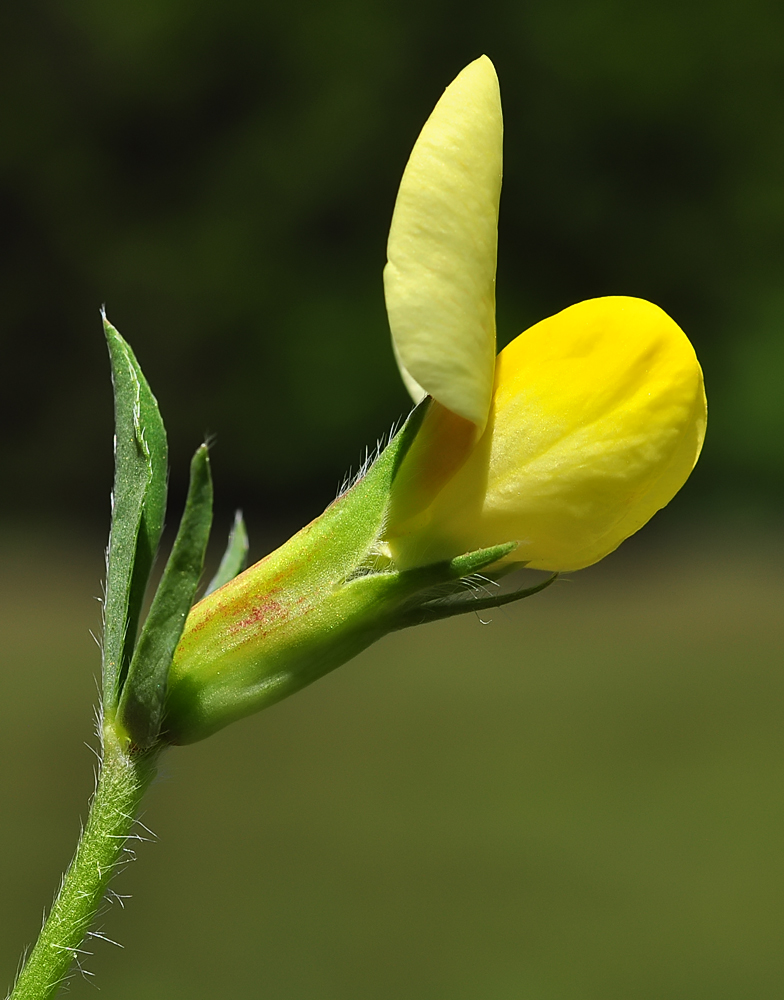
point(122, 781)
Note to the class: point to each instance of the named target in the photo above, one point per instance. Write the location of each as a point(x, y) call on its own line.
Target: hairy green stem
point(101, 850)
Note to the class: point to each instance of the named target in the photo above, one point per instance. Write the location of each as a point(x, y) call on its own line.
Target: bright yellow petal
point(440, 279)
point(598, 418)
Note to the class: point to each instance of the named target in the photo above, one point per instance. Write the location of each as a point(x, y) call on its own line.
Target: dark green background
point(582, 801)
point(222, 176)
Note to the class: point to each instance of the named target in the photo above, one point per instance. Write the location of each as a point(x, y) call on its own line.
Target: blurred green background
point(581, 800)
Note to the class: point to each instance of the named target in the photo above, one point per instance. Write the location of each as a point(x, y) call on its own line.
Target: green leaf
point(235, 558)
point(138, 507)
point(141, 705)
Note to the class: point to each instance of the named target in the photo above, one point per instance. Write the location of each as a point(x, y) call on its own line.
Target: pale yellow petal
point(439, 281)
point(598, 418)
point(415, 390)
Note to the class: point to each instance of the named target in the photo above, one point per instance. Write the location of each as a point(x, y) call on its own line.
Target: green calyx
point(311, 605)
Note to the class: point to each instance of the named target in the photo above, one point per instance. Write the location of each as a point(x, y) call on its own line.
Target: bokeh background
point(583, 799)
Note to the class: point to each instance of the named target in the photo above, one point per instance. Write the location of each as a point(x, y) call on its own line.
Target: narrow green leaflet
point(138, 507)
point(144, 691)
point(235, 558)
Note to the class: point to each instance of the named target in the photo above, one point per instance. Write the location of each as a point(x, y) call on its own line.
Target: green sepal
point(399, 597)
point(138, 507)
point(311, 605)
point(422, 612)
point(294, 615)
point(438, 590)
point(235, 558)
point(141, 704)
point(350, 527)
point(423, 577)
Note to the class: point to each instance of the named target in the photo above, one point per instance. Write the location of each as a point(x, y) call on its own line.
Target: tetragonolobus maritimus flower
point(581, 429)
point(549, 455)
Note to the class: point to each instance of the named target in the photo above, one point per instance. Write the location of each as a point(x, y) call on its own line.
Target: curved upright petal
point(439, 281)
point(598, 418)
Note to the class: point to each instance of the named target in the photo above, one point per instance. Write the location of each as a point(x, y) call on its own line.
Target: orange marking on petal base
point(442, 445)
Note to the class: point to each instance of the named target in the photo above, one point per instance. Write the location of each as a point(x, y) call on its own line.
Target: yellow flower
point(550, 454)
point(581, 429)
